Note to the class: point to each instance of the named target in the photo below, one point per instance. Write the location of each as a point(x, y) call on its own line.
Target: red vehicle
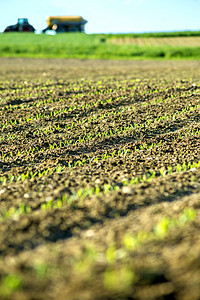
point(21, 26)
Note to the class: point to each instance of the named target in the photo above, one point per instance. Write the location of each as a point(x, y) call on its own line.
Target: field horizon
point(172, 45)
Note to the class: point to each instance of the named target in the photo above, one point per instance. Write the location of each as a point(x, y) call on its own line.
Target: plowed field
point(99, 179)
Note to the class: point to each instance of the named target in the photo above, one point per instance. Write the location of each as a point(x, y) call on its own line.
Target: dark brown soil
point(99, 179)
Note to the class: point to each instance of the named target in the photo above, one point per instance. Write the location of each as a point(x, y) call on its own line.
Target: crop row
point(98, 190)
point(115, 276)
point(10, 155)
point(51, 100)
point(101, 134)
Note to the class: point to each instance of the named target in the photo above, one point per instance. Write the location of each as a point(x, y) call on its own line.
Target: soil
point(94, 157)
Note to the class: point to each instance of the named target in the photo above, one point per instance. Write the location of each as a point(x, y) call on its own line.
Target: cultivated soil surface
point(99, 179)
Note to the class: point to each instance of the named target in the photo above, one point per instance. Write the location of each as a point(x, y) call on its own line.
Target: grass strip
point(85, 46)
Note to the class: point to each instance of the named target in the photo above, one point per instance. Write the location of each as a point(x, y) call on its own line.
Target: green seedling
point(41, 270)
point(111, 254)
point(118, 280)
point(9, 284)
point(188, 216)
point(163, 227)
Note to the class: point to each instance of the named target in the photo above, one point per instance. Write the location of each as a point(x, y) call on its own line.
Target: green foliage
point(160, 230)
point(77, 45)
point(111, 254)
point(154, 34)
point(187, 216)
point(88, 257)
point(41, 269)
point(164, 226)
point(9, 284)
point(130, 242)
point(119, 279)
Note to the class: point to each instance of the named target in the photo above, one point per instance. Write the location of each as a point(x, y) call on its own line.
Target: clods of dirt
point(99, 179)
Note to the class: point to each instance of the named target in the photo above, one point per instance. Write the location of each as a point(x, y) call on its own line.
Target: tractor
point(65, 24)
point(21, 26)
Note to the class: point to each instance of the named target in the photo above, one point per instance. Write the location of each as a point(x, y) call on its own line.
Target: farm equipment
point(65, 24)
point(22, 26)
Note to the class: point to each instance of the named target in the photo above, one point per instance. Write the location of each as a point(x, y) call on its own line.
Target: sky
point(107, 16)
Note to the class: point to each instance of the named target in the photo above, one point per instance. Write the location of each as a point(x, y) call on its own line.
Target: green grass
point(84, 46)
point(156, 34)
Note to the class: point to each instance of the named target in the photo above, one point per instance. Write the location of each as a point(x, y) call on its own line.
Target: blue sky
point(108, 16)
